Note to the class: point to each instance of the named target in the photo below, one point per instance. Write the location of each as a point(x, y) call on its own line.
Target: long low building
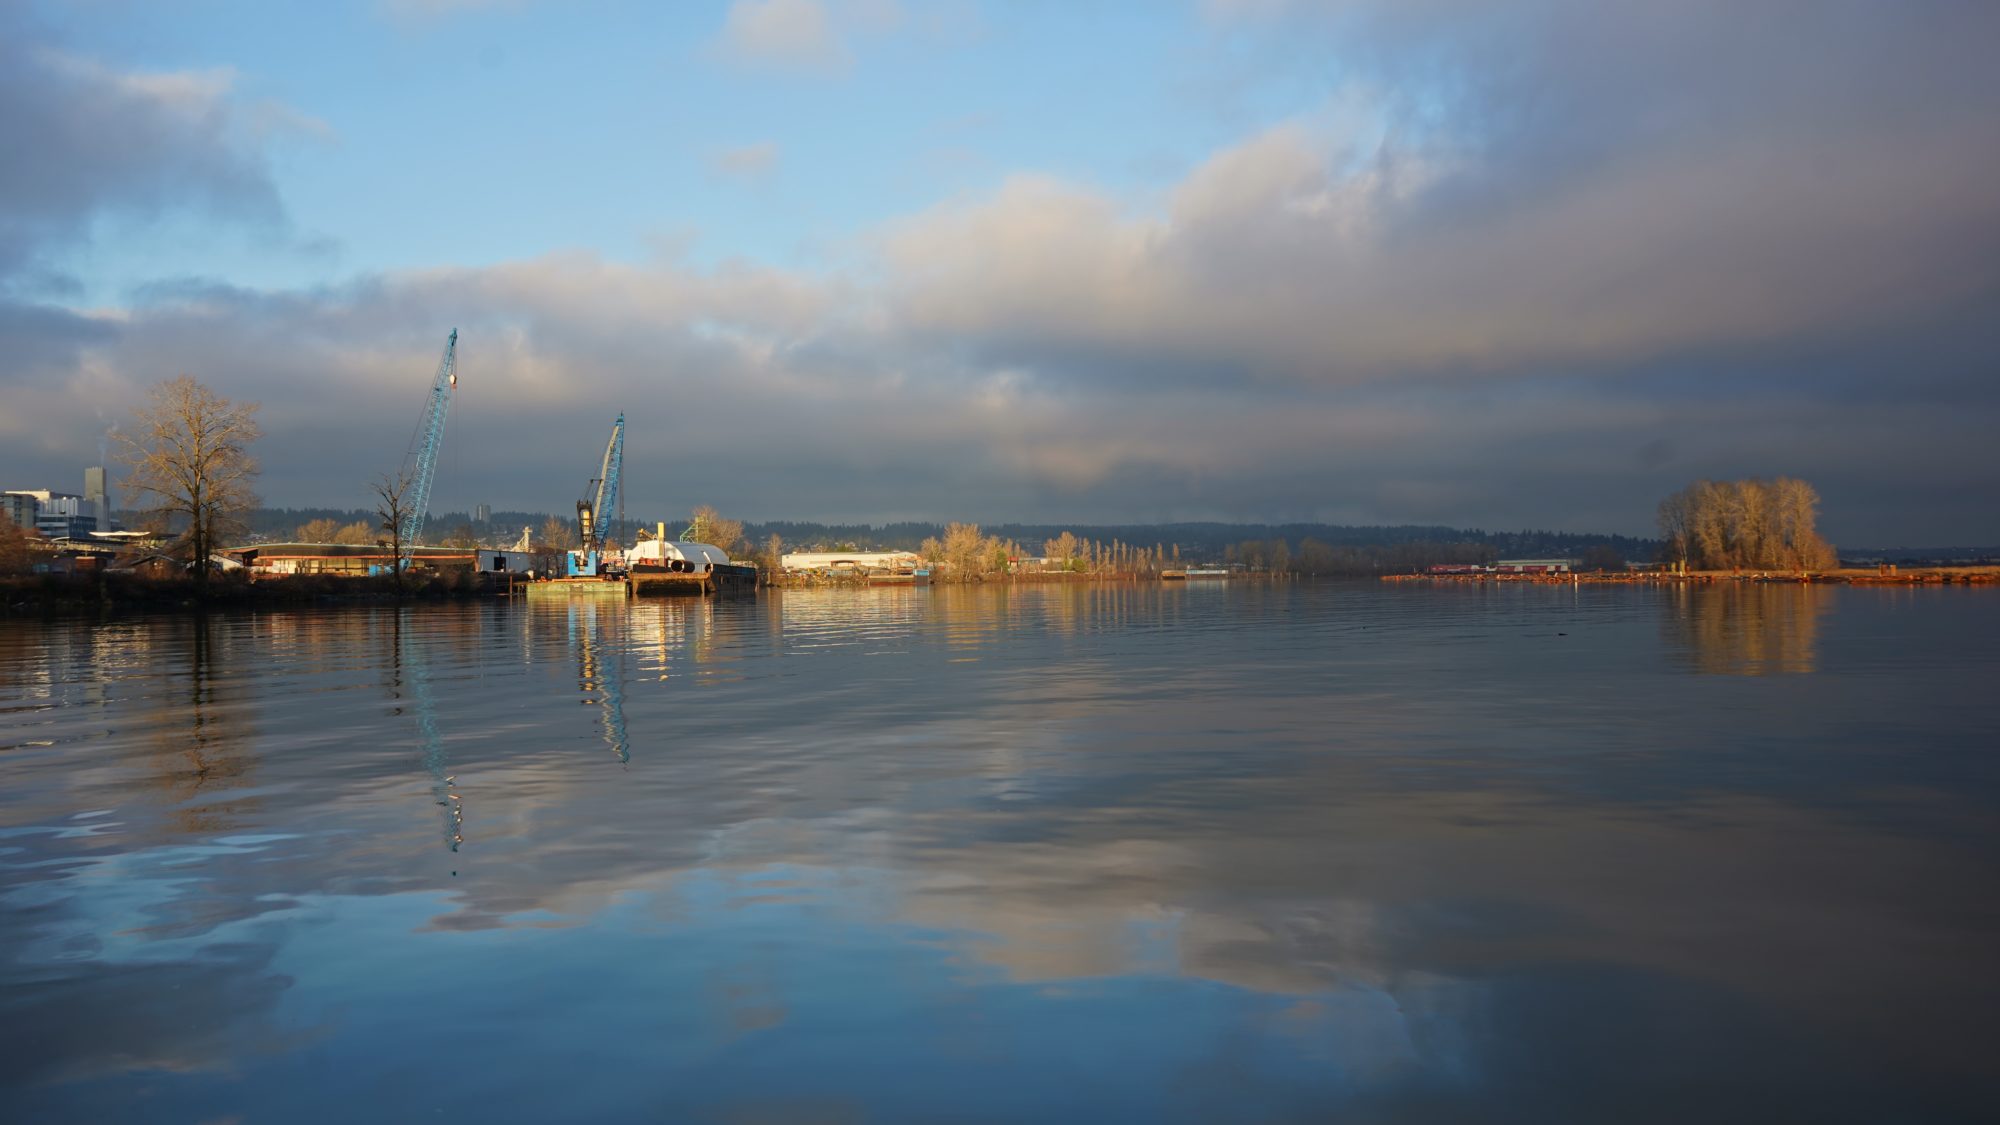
point(852, 560)
point(1532, 566)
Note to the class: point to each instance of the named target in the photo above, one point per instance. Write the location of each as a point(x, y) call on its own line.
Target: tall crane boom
point(613, 468)
point(603, 489)
point(424, 444)
point(590, 511)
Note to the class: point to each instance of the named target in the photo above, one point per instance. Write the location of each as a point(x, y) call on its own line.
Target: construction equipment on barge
point(677, 566)
point(657, 566)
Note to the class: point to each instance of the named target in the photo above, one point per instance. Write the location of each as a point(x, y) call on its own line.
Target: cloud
point(1357, 244)
point(816, 37)
point(426, 10)
point(786, 34)
point(1542, 293)
point(750, 162)
point(824, 403)
point(121, 143)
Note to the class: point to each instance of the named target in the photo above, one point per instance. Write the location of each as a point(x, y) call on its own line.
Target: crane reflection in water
point(601, 669)
point(410, 659)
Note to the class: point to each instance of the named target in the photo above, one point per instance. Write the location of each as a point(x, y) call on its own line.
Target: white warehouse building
point(853, 560)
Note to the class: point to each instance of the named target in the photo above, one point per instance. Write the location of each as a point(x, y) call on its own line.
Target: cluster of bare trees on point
point(1749, 524)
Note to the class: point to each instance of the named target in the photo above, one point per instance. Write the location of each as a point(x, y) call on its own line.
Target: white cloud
point(424, 10)
point(790, 34)
point(748, 162)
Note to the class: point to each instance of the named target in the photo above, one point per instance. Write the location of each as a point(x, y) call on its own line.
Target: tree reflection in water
point(204, 750)
point(1747, 628)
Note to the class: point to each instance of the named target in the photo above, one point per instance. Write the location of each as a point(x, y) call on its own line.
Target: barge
point(676, 567)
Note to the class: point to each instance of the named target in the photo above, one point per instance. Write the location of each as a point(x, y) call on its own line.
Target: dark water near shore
point(1059, 853)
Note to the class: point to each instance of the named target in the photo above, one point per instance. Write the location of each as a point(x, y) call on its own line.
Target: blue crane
point(424, 443)
point(590, 511)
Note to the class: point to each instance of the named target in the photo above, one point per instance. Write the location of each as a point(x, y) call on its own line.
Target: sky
point(1410, 261)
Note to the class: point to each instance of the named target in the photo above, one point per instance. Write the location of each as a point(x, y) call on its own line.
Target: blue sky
point(404, 136)
point(1357, 261)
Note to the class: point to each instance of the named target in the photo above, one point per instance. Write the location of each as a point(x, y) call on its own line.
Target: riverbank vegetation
point(1745, 524)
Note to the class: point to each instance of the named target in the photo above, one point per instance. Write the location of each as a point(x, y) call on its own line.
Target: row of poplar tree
point(1748, 524)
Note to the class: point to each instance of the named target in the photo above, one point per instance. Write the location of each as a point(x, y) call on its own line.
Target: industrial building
point(1532, 566)
point(61, 515)
point(57, 515)
point(853, 560)
point(20, 507)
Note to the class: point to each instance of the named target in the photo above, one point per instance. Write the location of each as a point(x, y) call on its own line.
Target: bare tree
point(318, 531)
point(1677, 526)
point(710, 527)
point(16, 546)
point(1745, 523)
point(1795, 514)
point(358, 533)
point(968, 553)
point(1063, 549)
point(556, 536)
point(190, 464)
point(392, 499)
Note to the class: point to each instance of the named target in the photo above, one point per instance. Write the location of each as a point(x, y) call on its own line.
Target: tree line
point(1750, 524)
point(967, 553)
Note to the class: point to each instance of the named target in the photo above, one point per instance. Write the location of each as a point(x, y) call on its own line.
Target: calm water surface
point(1188, 853)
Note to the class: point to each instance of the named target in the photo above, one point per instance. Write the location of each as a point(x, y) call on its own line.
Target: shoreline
point(1851, 576)
point(101, 596)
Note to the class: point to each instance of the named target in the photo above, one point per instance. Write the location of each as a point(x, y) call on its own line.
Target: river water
point(1086, 853)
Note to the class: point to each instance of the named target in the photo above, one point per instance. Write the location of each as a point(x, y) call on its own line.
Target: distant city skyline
point(862, 260)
